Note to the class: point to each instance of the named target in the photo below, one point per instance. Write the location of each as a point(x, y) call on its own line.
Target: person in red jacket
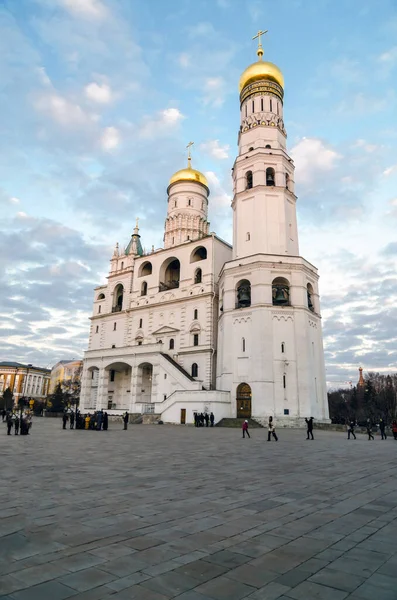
point(394, 429)
point(245, 428)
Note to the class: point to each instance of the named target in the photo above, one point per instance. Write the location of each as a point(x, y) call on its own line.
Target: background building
point(65, 370)
point(24, 380)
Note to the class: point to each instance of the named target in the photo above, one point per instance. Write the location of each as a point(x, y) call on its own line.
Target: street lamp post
point(23, 396)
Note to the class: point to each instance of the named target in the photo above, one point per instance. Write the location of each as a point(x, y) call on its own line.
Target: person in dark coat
point(64, 420)
point(350, 430)
point(16, 425)
point(245, 428)
point(105, 421)
point(71, 420)
point(4, 414)
point(382, 427)
point(9, 423)
point(369, 430)
point(207, 419)
point(271, 431)
point(99, 419)
point(212, 419)
point(309, 423)
point(126, 419)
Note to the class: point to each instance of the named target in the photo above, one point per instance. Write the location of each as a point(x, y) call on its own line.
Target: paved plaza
point(159, 512)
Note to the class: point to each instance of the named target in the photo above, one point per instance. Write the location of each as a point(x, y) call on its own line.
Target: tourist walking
point(125, 419)
point(105, 421)
point(10, 423)
point(245, 429)
point(350, 430)
point(207, 419)
point(394, 429)
point(72, 420)
point(271, 431)
point(382, 427)
point(3, 414)
point(309, 432)
point(369, 430)
point(212, 419)
point(16, 424)
point(64, 420)
point(99, 419)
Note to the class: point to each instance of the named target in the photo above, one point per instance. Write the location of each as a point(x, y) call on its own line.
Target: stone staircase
point(237, 423)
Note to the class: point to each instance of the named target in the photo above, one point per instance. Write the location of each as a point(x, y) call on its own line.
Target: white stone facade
point(201, 326)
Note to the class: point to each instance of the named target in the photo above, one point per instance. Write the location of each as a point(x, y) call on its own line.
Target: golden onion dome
point(189, 174)
point(261, 70)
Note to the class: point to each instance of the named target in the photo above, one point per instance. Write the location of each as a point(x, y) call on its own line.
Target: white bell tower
point(270, 353)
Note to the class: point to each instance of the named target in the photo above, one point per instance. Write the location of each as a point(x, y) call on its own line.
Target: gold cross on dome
point(258, 35)
point(190, 144)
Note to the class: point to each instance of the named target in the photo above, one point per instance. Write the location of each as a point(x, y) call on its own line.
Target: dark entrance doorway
point(183, 416)
point(243, 399)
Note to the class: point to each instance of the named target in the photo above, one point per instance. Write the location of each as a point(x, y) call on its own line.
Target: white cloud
point(63, 111)
point(214, 149)
point(311, 155)
point(110, 138)
point(365, 145)
point(389, 57)
point(214, 88)
point(98, 93)
point(22, 215)
point(14, 200)
point(165, 121)
point(86, 8)
point(390, 170)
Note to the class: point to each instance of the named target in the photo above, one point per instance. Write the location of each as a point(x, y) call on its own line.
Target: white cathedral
point(201, 326)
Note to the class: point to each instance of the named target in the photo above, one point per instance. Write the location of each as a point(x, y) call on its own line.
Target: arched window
point(243, 292)
point(270, 176)
point(250, 149)
point(99, 309)
point(286, 181)
point(282, 348)
point(169, 274)
point(195, 339)
point(118, 298)
point(310, 292)
point(172, 344)
point(198, 276)
point(268, 146)
point(145, 269)
point(144, 288)
point(101, 297)
point(199, 253)
point(243, 344)
point(194, 370)
point(248, 180)
point(122, 265)
point(114, 326)
point(195, 313)
point(280, 292)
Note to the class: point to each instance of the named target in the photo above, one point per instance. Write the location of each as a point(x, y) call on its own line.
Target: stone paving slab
point(162, 512)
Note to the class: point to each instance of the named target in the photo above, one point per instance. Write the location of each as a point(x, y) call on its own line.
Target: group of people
point(20, 422)
point(271, 429)
point(201, 419)
point(97, 421)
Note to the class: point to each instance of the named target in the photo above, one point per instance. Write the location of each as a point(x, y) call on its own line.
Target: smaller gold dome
point(189, 174)
point(261, 70)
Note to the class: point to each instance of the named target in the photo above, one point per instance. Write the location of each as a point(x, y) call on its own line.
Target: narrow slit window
point(114, 326)
point(140, 323)
point(243, 344)
point(99, 309)
point(248, 236)
point(284, 381)
point(283, 347)
point(253, 106)
point(262, 104)
point(195, 313)
point(195, 339)
point(97, 329)
point(271, 105)
point(245, 110)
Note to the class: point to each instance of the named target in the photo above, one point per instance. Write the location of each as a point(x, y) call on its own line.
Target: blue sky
point(98, 100)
